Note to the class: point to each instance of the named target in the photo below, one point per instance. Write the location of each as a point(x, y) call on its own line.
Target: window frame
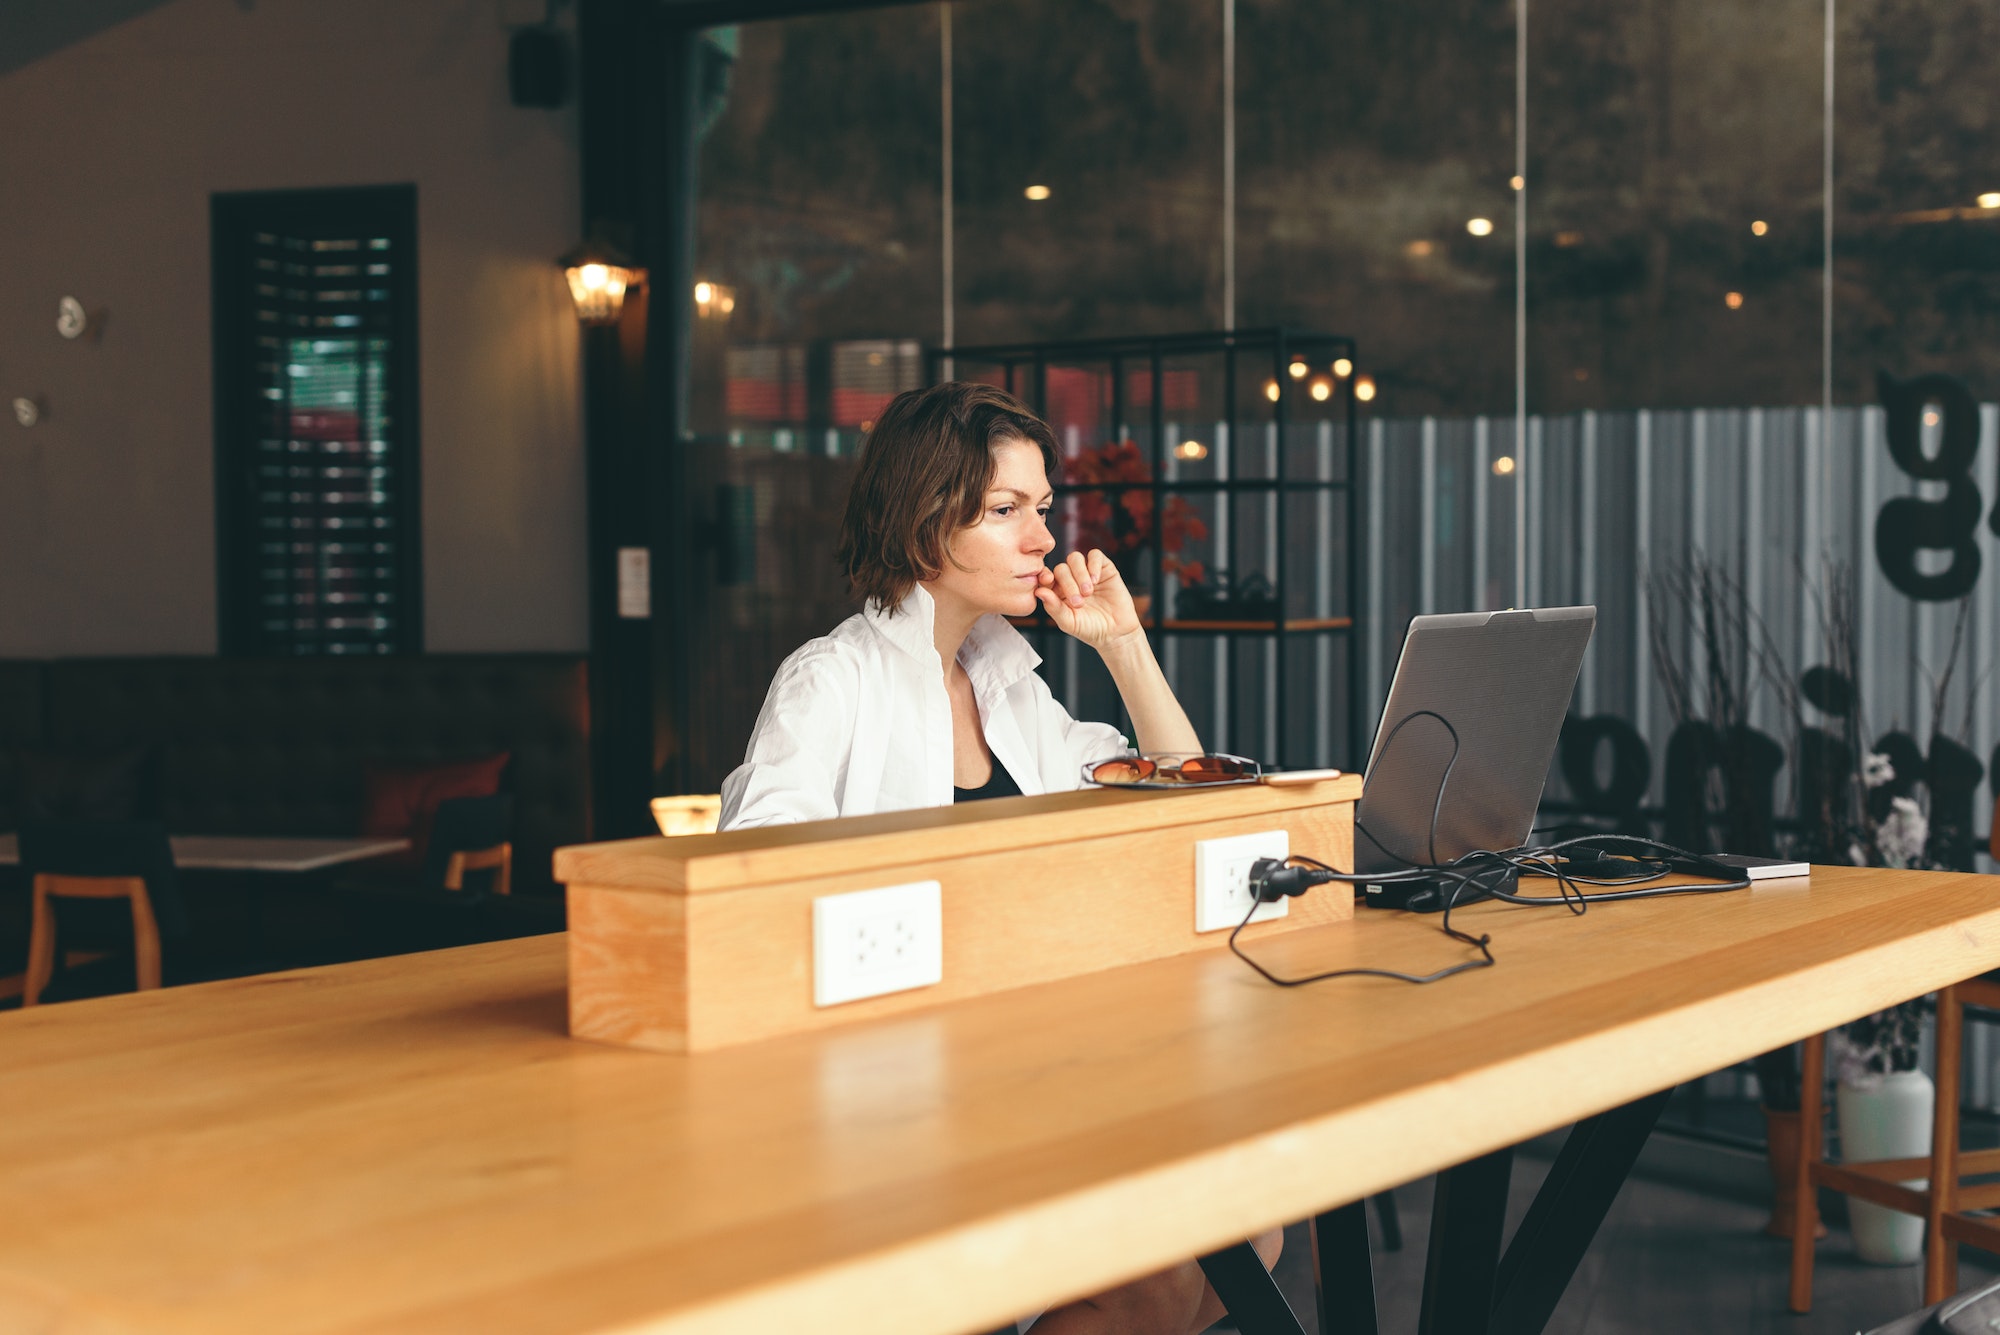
point(383, 210)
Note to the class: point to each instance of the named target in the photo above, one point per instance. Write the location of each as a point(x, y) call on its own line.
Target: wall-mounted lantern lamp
point(598, 276)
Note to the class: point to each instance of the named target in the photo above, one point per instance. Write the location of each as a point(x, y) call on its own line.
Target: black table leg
point(1343, 1273)
point(1566, 1213)
point(1469, 1288)
point(1466, 1224)
point(1249, 1293)
point(1390, 1219)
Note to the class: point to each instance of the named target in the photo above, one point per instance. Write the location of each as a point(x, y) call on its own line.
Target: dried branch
point(1941, 682)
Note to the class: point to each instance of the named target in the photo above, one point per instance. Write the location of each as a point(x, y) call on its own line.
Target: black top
point(1001, 784)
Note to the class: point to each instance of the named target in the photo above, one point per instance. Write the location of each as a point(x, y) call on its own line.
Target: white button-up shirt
point(858, 721)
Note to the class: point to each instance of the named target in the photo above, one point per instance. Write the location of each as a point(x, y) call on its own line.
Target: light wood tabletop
point(413, 1144)
point(235, 852)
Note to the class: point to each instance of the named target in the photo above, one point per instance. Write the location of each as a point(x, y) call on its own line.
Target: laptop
point(1503, 682)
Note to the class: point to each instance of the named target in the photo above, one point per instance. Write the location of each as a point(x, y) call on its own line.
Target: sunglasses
point(1171, 771)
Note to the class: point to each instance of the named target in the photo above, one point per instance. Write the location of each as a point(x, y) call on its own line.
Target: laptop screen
point(1500, 681)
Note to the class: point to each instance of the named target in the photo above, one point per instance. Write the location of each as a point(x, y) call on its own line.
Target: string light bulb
point(713, 299)
point(1364, 388)
point(1503, 466)
point(1343, 367)
point(1322, 390)
point(1271, 390)
point(1190, 449)
point(1298, 370)
point(1479, 226)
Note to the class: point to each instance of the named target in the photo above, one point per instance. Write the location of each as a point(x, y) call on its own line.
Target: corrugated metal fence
point(1764, 494)
point(1769, 495)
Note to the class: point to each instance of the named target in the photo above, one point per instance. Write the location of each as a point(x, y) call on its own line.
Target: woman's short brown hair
point(924, 472)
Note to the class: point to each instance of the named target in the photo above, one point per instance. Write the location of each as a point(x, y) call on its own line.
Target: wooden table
point(230, 852)
point(414, 1145)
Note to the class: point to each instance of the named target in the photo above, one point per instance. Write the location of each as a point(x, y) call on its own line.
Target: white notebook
point(1761, 869)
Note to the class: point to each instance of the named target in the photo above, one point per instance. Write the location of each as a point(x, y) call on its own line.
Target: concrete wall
point(109, 150)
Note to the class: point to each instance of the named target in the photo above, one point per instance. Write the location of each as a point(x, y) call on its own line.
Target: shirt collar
point(995, 655)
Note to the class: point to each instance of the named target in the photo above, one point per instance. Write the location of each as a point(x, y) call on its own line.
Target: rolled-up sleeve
point(797, 759)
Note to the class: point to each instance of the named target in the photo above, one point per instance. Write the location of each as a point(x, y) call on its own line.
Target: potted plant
point(1883, 1105)
point(1120, 522)
point(1867, 814)
point(1713, 657)
point(1882, 1101)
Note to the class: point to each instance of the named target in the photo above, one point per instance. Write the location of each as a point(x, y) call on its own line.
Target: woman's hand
point(1086, 597)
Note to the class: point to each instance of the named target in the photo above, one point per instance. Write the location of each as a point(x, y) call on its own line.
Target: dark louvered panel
point(327, 502)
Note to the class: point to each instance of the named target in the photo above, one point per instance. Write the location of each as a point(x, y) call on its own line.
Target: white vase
point(1890, 1121)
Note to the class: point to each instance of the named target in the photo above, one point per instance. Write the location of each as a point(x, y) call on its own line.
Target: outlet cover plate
point(1222, 878)
point(871, 942)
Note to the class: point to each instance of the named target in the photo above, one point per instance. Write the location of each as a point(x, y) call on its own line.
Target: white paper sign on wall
point(635, 583)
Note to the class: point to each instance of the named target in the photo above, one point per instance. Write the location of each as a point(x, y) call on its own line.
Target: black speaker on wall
point(538, 68)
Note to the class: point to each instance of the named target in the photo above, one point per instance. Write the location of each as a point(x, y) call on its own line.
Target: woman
point(928, 696)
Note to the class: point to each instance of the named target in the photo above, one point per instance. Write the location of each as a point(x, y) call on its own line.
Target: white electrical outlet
point(876, 941)
point(1222, 878)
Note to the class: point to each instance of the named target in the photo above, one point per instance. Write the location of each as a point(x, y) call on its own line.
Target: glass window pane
point(1360, 196)
point(1674, 210)
point(1114, 111)
point(818, 265)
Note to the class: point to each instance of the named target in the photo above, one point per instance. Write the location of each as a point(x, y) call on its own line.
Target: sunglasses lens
point(1210, 769)
point(1124, 771)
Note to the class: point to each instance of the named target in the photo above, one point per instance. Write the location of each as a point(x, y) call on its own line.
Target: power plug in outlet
point(873, 942)
point(1222, 878)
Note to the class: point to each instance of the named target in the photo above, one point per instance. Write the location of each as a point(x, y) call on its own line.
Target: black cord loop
point(1473, 871)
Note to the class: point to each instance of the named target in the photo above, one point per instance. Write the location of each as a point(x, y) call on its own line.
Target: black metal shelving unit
point(1229, 366)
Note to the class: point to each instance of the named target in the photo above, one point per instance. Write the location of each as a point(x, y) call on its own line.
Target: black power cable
point(1484, 872)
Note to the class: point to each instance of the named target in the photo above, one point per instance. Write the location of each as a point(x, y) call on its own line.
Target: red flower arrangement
point(1122, 521)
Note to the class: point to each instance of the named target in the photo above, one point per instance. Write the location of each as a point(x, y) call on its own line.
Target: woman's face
point(1002, 552)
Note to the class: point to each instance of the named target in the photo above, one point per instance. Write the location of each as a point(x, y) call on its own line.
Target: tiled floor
point(1668, 1259)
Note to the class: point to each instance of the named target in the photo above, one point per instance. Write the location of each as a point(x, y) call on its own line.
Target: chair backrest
point(90, 848)
point(465, 825)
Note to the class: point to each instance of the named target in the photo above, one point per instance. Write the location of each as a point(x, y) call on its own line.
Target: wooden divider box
point(704, 941)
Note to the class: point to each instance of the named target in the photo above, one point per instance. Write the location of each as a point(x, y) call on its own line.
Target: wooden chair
point(472, 834)
point(91, 860)
point(42, 935)
point(1945, 1200)
point(499, 859)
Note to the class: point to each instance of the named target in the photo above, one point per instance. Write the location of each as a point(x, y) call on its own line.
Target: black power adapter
point(1271, 880)
point(1434, 894)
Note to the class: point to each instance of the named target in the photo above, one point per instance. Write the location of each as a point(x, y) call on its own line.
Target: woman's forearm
point(1159, 722)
